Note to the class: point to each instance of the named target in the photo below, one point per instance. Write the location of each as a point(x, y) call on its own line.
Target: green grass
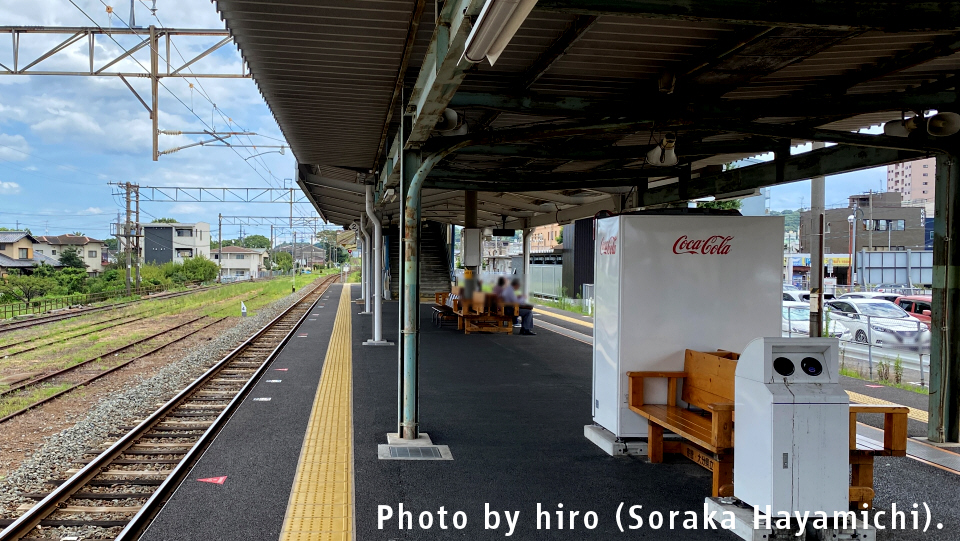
point(18, 401)
point(905, 386)
point(562, 304)
point(270, 292)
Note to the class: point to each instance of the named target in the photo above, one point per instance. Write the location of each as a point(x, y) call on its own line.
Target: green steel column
point(944, 423)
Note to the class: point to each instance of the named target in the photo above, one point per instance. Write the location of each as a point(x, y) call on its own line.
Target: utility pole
point(126, 236)
point(817, 204)
point(116, 233)
point(293, 247)
point(137, 238)
point(220, 246)
point(155, 89)
point(273, 253)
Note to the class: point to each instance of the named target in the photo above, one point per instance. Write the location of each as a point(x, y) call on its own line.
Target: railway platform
point(305, 464)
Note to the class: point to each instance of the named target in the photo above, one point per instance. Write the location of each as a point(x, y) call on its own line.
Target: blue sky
point(62, 139)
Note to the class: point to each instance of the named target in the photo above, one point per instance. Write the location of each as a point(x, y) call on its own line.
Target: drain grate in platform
point(414, 452)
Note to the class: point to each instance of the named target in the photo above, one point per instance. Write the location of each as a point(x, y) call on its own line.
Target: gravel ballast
point(55, 456)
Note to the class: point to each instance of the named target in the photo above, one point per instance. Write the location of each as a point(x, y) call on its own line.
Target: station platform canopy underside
point(560, 127)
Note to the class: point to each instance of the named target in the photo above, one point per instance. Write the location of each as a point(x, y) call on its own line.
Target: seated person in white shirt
point(526, 314)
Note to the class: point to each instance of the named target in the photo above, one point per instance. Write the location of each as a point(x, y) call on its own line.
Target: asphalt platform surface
point(258, 449)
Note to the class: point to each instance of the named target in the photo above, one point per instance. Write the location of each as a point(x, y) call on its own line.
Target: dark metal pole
point(944, 423)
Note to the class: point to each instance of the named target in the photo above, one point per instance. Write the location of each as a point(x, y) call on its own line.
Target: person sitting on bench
point(526, 310)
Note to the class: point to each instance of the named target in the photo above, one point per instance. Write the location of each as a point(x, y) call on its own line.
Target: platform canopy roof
point(559, 127)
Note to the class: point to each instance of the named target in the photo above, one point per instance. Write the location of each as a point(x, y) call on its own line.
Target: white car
point(880, 321)
point(796, 321)
point(796, 295)
point(870, 295)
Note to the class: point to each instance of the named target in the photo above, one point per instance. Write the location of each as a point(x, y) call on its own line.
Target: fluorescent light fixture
point(498, 21)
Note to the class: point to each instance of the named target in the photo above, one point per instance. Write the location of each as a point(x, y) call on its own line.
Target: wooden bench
point(442, 309)
point(864, 450)
point(708, 381)
point(484, 313)
point(708, 384)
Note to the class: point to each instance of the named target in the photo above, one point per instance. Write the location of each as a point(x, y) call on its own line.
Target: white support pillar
point(365, 274)
point(376, 273)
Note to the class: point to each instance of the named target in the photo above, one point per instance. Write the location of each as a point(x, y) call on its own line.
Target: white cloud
point(92, 210)
point(13, 148)
point(9, 188)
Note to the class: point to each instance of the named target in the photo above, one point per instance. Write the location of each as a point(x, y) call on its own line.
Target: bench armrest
point(636, 386)
point(720, 406)
point(894, 425)
point(656, 374)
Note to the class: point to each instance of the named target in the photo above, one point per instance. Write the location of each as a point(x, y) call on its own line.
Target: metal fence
point(877, 341)
point(44, 305)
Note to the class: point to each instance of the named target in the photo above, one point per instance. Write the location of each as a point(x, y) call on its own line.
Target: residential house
point(240, 263)
point(92, 251)
point(17, 253)
point(165, 242)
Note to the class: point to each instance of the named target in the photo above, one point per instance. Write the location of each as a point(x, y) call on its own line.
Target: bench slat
point(690, 425)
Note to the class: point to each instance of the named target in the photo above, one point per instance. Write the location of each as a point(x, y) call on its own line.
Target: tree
point(111, 244)
point(26, 287)
point(25, 230)
point(283, 260)
point(733, 204)
point(72, 279)
point(559, 238)
point(71, 258)
point(256, 241)
point(165, 221)
point(78, 234)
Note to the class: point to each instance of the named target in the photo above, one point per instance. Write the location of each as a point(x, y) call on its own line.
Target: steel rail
point(24, 525)
point(99, 375)
point(114, 351)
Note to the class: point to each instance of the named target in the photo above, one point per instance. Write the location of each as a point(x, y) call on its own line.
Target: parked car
point(796, 321)
point(871, 295)
point(918, 306)
point(797, 295)
point(790, 287)
point(891, 288)
point(883, 322)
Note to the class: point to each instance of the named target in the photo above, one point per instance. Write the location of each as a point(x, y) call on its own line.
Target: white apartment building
point(163, 243)
point(239, 263)
point(93, 252)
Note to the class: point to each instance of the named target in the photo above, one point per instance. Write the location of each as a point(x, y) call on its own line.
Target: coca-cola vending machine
point(668, 283)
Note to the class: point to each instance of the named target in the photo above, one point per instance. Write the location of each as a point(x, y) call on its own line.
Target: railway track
point(85, 330)
point(33, 322)
point(138, 471)
point(79, 374)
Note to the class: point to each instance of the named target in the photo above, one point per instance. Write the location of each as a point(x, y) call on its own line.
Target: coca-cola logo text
point(609, 246)
point(715, 245)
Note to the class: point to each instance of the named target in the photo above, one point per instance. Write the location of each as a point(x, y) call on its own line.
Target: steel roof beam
point(757, 145)
point(438, 79)
point(656, 106)
point(886, 15)
point(828, 161)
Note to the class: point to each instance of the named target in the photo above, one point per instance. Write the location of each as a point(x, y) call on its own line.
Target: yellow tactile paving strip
point(321, 501)
point(563, 317)
point(915, 414)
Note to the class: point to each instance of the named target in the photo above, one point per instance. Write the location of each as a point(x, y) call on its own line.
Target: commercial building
point(882, 223)
point(93, 252)
point(544, 238)
point(163, 243)
point(240, 263)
